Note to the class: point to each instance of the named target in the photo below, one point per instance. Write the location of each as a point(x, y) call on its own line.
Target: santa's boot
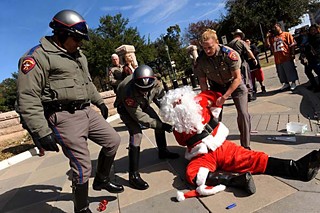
point(134, 177)
point(161, 141)
point(102, 179)
point(243, 181)
point(80, 193)
point(305, 169)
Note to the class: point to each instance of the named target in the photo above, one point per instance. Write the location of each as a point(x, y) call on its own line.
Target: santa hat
point(202, 189)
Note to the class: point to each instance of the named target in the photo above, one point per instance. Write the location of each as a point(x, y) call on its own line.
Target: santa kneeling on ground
point(214, 161)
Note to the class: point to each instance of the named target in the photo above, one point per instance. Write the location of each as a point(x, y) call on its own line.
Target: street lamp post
point(174, 80)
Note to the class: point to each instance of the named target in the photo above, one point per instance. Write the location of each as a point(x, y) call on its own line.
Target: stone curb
point(34, 151)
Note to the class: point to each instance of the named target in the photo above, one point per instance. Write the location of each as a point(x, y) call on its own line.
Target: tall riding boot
point(162, 146)
point(80, 193)
point(243, 181)
point(134, 177)
point(305, 169)
point(102, 179)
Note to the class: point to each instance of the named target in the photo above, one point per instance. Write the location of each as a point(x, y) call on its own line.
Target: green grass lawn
point(263, 61)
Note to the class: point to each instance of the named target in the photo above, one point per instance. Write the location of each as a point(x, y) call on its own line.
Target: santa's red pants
point(228, 157)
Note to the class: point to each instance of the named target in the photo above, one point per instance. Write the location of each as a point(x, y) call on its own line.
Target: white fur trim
point(202, 190)
point(180, 196)
point(202, 175)
point(215, 141)
point(215, 111)
point(200, 148)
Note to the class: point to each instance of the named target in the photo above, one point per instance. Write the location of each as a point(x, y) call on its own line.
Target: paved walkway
point(40, 184)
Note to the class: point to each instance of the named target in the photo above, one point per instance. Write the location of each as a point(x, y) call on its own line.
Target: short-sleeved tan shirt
point(219, 67)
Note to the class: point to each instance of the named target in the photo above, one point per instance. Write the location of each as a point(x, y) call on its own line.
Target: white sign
point(224, 40)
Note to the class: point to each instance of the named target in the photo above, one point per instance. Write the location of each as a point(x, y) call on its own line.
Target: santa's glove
point(167, 127)
point(49, 143)
point(104, 110)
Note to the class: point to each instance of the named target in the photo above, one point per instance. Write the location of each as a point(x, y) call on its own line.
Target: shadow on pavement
point(37, 196)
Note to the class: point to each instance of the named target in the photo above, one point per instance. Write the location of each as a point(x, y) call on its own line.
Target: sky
point(23, 23)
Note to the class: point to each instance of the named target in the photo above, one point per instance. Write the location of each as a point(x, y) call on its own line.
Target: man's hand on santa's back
point(220, 101)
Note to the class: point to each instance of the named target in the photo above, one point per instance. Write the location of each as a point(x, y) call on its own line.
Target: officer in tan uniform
point(134, 96)
point(54, 92)
point(220, 66)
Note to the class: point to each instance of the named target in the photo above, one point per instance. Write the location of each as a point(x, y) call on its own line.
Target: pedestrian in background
point(115, 72)
point(282, 44)
point(135, 94)
point(129, 65)
point(239, 45)
point(54, 92)
point(255, 68)
point(310, 57)
point(219, 66)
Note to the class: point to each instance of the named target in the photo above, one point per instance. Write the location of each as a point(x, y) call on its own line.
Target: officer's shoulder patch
point(28, 64)
point(130, 102)
point(231, 53)
point(233, 56)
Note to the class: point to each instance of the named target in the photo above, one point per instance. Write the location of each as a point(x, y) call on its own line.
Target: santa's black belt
point(208, 128)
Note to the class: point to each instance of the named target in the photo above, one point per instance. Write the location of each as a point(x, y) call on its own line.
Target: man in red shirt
point(282, 45)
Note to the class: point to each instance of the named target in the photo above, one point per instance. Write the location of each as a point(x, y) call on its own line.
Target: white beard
point(180, 108)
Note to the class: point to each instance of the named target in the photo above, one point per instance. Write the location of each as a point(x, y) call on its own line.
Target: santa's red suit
point(211, 151)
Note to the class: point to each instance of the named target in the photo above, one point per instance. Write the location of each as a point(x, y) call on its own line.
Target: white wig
point(180, 108)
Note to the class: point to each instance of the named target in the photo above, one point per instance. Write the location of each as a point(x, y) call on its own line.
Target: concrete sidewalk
point(40, 184)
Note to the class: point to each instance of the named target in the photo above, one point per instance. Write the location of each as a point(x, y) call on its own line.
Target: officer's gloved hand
point(49, 143)
point(104, 110)
point(167, 127)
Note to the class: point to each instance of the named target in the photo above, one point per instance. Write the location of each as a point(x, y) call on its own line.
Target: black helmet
point(70, 21)
point(143, 77)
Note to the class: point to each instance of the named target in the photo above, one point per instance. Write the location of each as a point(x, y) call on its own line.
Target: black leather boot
point(161, 141)
point(305, 169)
point(80, 193)
point(243, 181)
point(134, 177)
point(102, 179)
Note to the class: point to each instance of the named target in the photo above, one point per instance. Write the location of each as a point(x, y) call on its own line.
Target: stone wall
point(11, 129)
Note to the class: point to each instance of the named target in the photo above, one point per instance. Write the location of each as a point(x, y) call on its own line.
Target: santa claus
point(214, 161)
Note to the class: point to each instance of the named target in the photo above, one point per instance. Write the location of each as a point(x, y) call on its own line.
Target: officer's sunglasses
point(77, 38)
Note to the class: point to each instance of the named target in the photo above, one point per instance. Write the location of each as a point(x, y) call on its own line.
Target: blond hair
point(209, 33)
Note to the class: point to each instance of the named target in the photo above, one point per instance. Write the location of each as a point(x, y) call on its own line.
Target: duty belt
point(70, 107)
point(208, 128)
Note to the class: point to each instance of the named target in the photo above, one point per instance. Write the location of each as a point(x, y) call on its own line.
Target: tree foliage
point(8, 93)
point(249, 15)
point(194, 30)
point(110, 34)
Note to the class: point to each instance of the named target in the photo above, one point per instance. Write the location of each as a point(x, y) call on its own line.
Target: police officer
point(239, 45)
point(134, 96)
point(54, 92)
point(220, 66)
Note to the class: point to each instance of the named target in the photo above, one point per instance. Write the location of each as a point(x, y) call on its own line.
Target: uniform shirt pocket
point(64, 89)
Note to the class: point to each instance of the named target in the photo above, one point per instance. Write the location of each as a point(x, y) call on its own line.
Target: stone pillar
point(192, 51)
point(123, 49)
